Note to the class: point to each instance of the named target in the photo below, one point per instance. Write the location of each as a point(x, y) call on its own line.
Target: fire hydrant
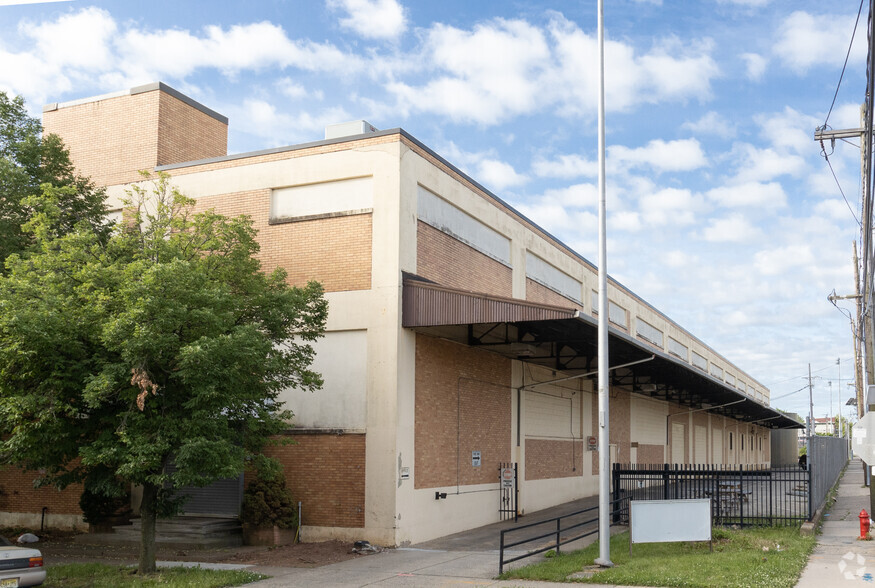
point(864, 524)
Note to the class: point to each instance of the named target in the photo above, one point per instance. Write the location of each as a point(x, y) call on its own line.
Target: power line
point(841, 77)
point(842, 192)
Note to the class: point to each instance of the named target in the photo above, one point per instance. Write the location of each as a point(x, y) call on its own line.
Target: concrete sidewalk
point(839, 558)
point(401, 567)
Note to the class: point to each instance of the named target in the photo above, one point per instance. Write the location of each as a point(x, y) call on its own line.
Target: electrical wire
point(790, 393)
point(842, 192)
point(844, 67)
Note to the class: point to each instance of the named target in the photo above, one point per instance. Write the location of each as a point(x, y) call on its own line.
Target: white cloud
point(503, 68)
point(750, 3)
point(806, 40)
point(625, 221)
point(768, 196)
point(498, 175)
point(732, 229)
point(772, 262)
point(372, 19)
point(661, 156)
point(669, 206)
point(88, 48)
point(16, 2)
point(845, 116)
point(834, 208)
point(679, 259)
point(711, 123)
point(281, 128)
point(565, 166)
point(670, 71)
point(492, 71)
point(789, 130)
point(756, 65)
point(762, 165)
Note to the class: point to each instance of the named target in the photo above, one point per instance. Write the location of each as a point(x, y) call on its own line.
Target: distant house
point(824, 426)
point(461, 335)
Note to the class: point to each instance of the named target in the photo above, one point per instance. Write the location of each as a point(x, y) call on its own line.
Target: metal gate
point(509, 495)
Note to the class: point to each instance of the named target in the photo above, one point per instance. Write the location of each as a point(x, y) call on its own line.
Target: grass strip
point(771, 556)
point(82, 575)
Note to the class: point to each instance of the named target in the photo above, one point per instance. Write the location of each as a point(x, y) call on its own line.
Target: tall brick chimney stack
point(112, 137)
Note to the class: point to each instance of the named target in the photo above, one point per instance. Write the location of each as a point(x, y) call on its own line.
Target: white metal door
point(701, 441)
point(717, 445)
point(678, 443)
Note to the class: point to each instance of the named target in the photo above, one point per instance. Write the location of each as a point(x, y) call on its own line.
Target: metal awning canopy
point(565, 340)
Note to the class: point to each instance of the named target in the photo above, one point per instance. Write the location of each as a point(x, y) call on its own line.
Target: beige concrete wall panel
point(463, 404)
point(323, 198)
point(553, 458)
point(620, 426)
point(451, 263)
point(552, 412)
point(327, 474)
point(678, 443)
point(554, 278)
point(343, 149)
point(341, 403)
point(648, 420)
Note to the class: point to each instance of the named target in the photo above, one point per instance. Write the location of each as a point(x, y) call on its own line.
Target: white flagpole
point(604, 558)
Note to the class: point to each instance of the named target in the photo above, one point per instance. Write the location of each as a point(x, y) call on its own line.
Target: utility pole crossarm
point(831, 135)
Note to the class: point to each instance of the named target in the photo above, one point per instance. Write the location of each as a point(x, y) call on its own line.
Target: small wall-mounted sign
point(405, 473)
point(592, 443)
point(475, 459)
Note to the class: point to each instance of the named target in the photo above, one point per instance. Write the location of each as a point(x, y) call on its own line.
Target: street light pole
point(604, 558)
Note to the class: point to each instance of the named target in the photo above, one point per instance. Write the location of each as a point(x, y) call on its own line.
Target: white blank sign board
point(662, 521)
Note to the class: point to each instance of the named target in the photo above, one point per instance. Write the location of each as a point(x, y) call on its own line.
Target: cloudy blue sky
point(722, 211)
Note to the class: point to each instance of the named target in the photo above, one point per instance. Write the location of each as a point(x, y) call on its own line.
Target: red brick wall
point(17, 494)
point(451, 263)
point(111, 140)
point(335, 251)
point(541, 294)
point(463, 404)
point(651, 454)
point(326, 472)
point(546, 458)
point(186, 134)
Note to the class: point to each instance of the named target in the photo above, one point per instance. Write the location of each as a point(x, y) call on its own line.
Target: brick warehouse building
point(460, 334)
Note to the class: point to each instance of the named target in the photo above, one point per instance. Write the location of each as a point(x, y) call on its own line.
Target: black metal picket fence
point(740, 495)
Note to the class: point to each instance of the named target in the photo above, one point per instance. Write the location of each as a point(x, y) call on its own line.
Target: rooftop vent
point(348, 129)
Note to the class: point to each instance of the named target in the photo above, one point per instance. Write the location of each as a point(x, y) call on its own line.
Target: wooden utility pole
point(864, 334)
point(858, 338)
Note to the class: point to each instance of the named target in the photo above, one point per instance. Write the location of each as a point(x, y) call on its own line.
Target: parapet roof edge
point(427, 149)
point(140, 90)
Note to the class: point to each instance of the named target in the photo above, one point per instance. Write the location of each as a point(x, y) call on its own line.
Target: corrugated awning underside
point(562, 339)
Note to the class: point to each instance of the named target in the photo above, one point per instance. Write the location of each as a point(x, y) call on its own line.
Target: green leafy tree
point(27, 161)
point(163, 343)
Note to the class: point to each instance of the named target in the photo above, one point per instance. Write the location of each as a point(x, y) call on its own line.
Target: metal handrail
point(555, 533)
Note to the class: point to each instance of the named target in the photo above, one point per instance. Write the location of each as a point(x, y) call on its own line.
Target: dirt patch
point(299, 555)
point(59, 547)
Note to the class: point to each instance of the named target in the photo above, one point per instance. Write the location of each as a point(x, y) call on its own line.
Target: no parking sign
point(507, 477)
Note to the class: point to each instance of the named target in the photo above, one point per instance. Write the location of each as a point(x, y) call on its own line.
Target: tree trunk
point(147, 535)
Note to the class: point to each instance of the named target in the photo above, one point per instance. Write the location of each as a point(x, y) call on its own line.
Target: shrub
point(267, 502)
point(98, 508)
